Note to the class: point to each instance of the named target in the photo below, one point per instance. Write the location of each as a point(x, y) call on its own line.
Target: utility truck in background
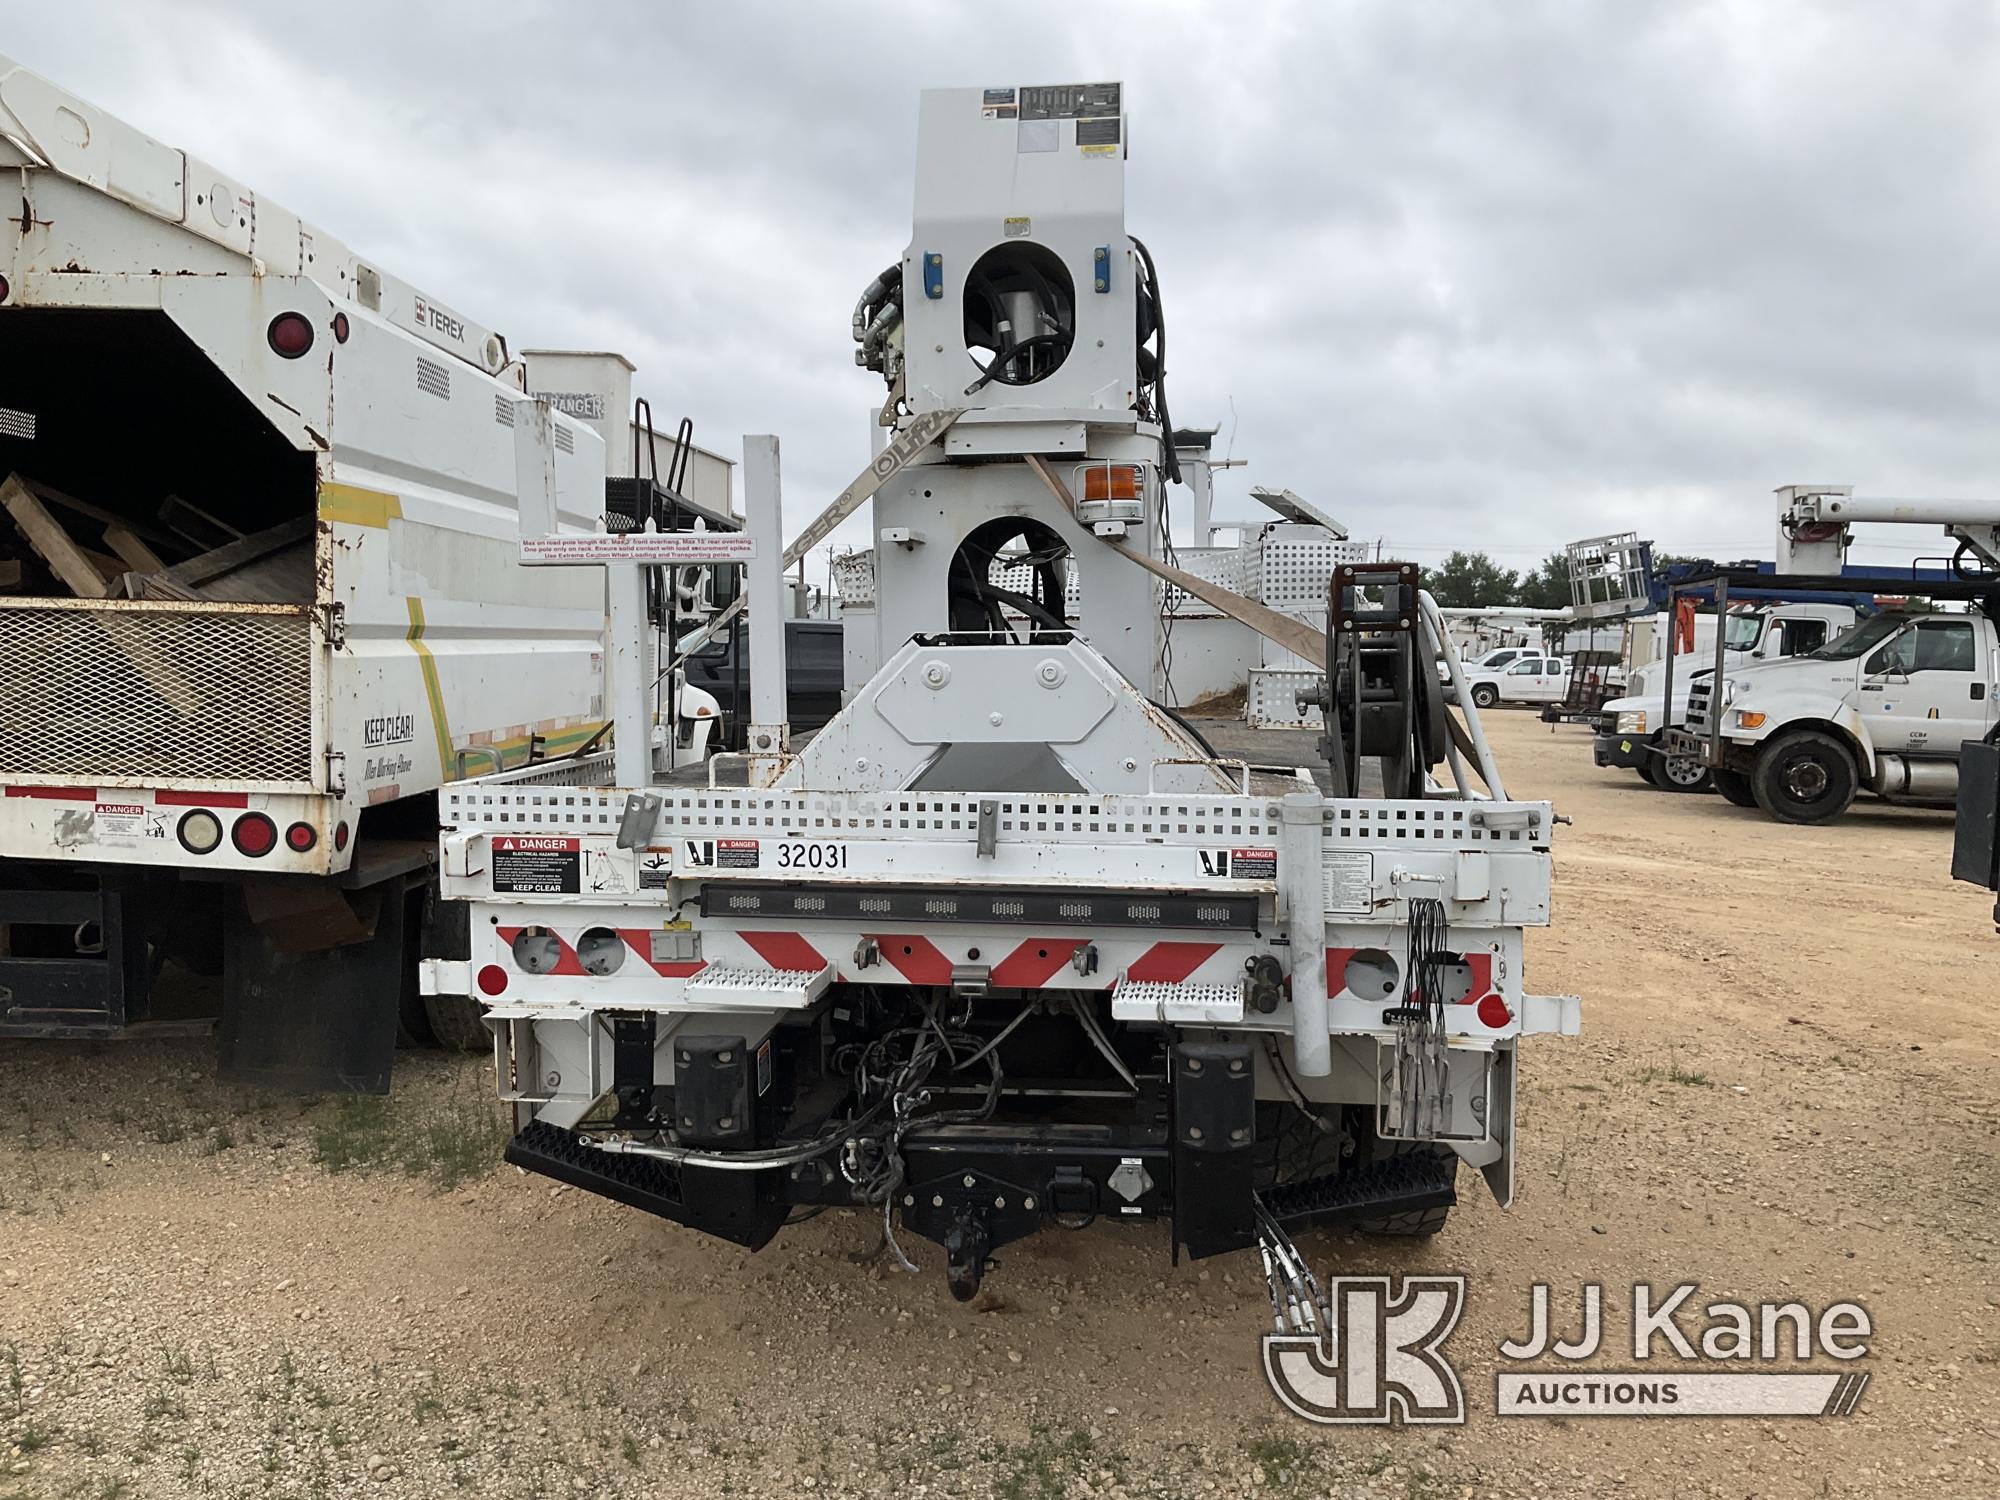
point(1007, 946)
point(259, 600)
point(1889, 706)
point(1631, 731)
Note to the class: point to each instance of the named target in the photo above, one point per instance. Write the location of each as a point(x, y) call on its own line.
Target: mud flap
point(313, 989)
point(1499, 1172)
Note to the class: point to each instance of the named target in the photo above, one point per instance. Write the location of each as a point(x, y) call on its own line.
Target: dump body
point(308, 472)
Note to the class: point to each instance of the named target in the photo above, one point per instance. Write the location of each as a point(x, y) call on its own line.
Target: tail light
point(1111, 482)
point(6, 291)
point(254, 834)
point(340, 836)
point(290, 335)
point(199, 831)
point(340, 328)
point(300, 837)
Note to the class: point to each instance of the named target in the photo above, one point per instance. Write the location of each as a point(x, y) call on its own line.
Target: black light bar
point(876, 904)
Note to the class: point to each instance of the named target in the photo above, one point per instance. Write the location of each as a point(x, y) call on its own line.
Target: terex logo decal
point(430, 315)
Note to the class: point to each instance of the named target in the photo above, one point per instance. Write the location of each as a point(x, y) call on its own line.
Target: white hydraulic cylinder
point(629, 673)
point(1304, 889)
point(764, 586)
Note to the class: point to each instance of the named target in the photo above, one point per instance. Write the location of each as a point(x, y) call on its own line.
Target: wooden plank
point(194, 525)
point(137, 555)
point(1293, 635)
point(50, 495)
point(63, 556)
point(210, 566)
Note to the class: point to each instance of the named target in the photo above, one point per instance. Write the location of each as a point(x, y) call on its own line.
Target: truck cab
point(1629, 730)
point(1885, 709)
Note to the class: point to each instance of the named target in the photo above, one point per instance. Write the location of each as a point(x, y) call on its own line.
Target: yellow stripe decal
point(447, 762)
point(358, 507)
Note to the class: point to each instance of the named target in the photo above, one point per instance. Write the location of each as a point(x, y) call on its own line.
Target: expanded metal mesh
point(189, 692)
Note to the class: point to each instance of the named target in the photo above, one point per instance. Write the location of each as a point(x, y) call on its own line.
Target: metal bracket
point(989, 828)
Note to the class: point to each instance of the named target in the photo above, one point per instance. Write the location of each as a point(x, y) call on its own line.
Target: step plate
point(1193, 1004)
point(725, 987)
point(1397, 1185)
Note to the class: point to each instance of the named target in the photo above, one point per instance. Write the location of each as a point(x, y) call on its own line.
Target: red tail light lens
point(254, 834)
point(290, 335)
point(340, 836)
point(340, 328)
point(300, 837)
point(6, 291)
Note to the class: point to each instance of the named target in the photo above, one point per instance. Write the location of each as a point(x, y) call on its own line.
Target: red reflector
point(340, 328)
point(301, 837)
point(492, 979)
point(290, 335)
point(1493, 1012)
point(5, 290)
point(340, 836)
point(168, 798)
point(254, 835)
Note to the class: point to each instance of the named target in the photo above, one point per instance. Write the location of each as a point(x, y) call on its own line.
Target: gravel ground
point(1786, 1087)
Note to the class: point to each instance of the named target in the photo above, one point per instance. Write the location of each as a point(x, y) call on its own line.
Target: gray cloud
point(1470, 275)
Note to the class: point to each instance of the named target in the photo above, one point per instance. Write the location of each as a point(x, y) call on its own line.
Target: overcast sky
point(1484, 275)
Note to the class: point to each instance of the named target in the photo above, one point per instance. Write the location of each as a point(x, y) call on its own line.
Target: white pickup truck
point(1885, 709)
point(1630, 730)
point(1529, 677)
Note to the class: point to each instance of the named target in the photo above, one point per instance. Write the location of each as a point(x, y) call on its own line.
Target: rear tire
point(1805, 777)
point(456, 1023)
point(1421, 1223)
point(1485, 695)
point(1735, 788)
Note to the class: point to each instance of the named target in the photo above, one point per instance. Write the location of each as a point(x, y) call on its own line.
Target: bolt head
point(1028, 1204)
point(995, 719)
point(937, 1200)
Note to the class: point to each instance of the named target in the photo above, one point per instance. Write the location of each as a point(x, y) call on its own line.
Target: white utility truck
point(1631, 730)
point(1006, 946)
point(258, 600)
point(1887, 707)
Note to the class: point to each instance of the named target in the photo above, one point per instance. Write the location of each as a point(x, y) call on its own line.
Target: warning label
point(537, 865)
point(1350, 880)
point(1254, 864)
point(120, 822)
point(736, 854)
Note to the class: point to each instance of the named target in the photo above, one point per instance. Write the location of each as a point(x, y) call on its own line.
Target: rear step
point(1394, 1185)
point(736, 1206)
point(95, 988)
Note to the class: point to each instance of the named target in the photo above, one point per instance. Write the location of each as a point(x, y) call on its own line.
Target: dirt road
point(1786, 1089)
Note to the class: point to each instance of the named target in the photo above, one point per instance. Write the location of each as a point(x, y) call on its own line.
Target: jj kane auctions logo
point(1379, 1358)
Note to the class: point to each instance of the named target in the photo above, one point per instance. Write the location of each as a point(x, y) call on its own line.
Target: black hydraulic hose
point(1160, 350)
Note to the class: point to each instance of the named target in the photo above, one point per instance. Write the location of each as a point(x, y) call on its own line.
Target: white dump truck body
point(310, 472)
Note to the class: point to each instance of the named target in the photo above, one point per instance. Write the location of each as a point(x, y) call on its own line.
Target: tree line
point(1471, 580)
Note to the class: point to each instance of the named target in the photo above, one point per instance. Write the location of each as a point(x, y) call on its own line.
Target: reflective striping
point(566, 960)
point(55, 793)
point(1035, 962)
point(1170, 963)
point(640, 941)
point(917, 959)
point(447, 762)
point(785, 950)
point(355, 506)
point(201, 799)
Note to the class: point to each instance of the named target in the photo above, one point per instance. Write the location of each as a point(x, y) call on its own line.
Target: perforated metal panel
point(854, 577)
point(1296, 563)
point(1272, 702)
point(111, 688)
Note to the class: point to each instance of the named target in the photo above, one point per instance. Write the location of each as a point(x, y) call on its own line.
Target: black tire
point(1676, 773)
point(1420, 1223)
point(1735, 788)
point(455, 1023)
point(1485, 695)
point(1805, 777)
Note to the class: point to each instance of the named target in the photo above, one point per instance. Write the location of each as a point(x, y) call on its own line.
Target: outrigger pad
point(729, 1205)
